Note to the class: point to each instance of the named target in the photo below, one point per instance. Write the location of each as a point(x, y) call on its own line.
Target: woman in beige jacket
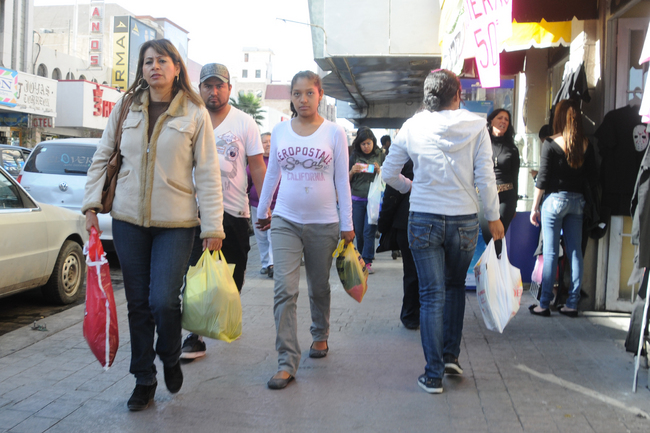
point(166, 135)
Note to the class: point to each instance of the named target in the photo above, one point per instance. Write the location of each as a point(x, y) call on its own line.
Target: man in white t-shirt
point(238, 143)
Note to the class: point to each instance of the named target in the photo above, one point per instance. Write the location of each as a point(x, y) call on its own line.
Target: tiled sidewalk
point(540, 375)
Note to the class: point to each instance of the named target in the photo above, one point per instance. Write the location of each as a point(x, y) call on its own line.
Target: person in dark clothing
point(505, 156)
point(385, 143)
point(568, 160)
point(393, 225)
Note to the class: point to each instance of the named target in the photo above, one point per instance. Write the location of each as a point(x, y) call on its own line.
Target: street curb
point(19, 339)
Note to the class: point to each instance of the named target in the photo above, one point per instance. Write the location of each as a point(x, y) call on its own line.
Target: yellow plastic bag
point(211, 302)
point(352, 270)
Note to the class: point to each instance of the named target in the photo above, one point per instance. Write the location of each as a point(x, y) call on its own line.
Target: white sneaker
point(369, 267)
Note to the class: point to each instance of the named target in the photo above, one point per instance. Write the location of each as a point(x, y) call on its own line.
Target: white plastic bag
point(374, 199)
point(498, 288)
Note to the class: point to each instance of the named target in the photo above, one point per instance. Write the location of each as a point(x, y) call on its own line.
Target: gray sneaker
point(193, 347)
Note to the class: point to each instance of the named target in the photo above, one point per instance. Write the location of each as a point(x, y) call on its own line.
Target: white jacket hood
point(450, 130)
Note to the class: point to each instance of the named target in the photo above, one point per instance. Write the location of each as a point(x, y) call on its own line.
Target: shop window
point(42, 70)
point(244, 73)
point(56, 74)
point(258, 73)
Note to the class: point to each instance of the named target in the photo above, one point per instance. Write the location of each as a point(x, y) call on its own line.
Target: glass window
point(245, 57)
point(12, 161)
point(67, 159)
point(637, 73)
point(9, 197)
point(244, 73)
point(258, 73)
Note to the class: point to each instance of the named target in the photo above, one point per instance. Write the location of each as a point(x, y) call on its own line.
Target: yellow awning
point(538, 35)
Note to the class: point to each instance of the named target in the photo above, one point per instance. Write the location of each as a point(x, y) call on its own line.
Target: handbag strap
point(124, 111)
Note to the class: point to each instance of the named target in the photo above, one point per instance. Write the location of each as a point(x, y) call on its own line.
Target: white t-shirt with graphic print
point(237, 138)
point(314, 170)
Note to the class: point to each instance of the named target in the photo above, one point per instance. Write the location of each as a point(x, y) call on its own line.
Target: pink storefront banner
point(489, 22)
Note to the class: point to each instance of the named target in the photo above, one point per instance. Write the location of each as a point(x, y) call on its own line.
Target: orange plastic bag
point(100, 315)
point(352, 270)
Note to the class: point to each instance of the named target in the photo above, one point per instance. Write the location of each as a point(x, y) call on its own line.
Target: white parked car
point(40, 245)
point(55, 173)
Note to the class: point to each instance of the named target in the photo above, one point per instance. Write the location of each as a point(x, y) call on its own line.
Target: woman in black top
point(505, 157)
point(567, 162)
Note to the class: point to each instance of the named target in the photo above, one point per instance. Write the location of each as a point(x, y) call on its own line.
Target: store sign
point(36, 95)
point(14, 119)
point(42, 122)
point(8, 87)
point(488, 23)
point(120, 52)
point(101, 107)
point(139, 34)
point(96, 32)
point(86, 105)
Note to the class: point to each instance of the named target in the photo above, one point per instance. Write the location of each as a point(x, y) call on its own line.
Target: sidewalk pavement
point(553, 374)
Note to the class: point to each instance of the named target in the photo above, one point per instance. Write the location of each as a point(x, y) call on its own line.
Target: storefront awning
point(538, 35)
point(529, 11)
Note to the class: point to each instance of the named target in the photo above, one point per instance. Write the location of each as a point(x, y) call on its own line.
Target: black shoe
point(270, 271)
point(279, 383)
point(142, 396)
point(193, 347)
point(264, 271)
point(174, 378)
point(543, 313)
point(313, 353)
point(570, 313)
point(393, 254)
point(430, 385)
point(451, 365)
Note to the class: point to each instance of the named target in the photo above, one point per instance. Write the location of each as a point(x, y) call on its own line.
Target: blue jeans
point(364, 232)
point(562, 211)
point(442, 247)
point(153, 261)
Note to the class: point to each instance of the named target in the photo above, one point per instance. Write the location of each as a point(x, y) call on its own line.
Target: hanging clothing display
point(622, 141)
point(574, 86)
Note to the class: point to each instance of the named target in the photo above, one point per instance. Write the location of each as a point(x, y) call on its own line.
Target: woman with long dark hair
point(451, 153)
point(505, 157)
point(567, 162)
point(365, 163)
point(166, 135)
point(310, 153)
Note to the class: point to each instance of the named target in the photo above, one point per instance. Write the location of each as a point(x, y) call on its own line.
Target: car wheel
point(64, 285)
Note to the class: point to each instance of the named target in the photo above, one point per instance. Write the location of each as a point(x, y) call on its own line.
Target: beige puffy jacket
point(155, 186)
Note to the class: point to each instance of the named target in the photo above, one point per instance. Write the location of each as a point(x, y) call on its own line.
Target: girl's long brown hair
point(568, 122)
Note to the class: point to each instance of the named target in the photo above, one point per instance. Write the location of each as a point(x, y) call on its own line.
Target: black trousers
point(410, 314)
point(507, 211)
point(235, 247)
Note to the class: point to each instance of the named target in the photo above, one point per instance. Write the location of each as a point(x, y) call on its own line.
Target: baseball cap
point(215, 70)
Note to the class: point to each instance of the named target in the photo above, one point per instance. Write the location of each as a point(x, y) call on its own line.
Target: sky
point(219, 29)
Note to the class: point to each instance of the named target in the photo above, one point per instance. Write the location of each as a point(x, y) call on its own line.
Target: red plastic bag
point(100, 315)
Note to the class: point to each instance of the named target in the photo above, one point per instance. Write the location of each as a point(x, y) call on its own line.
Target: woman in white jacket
point(451, 152)
point(166, 134)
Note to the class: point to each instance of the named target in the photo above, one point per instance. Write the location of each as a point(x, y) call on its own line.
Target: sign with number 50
point(489, 22)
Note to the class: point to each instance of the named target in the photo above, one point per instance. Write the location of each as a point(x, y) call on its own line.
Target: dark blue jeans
point(363, 232)
point(442, 248)
point(153, 261)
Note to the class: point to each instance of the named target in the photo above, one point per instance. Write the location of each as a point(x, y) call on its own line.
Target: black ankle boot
point(174, 378)
point(142, 396)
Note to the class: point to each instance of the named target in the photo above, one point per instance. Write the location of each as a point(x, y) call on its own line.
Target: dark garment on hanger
point(574, 86)
point(621, 145)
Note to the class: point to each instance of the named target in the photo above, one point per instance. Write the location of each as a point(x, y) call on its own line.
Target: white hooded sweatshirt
point(445, 185)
